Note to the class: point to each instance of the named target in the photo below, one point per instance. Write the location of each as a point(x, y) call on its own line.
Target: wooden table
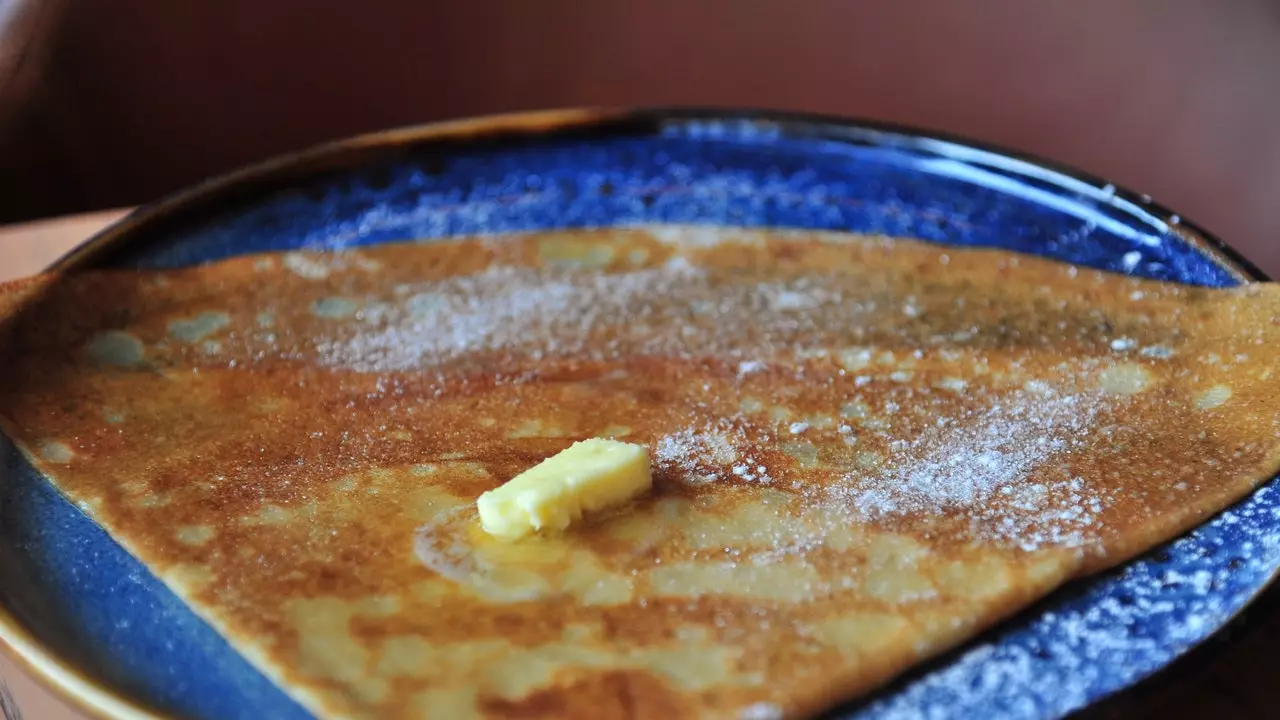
point(1234, 675)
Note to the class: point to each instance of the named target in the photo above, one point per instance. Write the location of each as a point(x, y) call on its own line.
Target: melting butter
point(587, 476)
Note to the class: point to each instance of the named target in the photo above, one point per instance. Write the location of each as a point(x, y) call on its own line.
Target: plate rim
point(78, 688)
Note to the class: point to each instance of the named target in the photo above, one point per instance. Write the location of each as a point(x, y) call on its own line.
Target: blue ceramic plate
point(91, 619)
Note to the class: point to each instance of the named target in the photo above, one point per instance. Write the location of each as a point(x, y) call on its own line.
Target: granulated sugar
point(1000, 466)
point(675, 310)
point(502, 308)
point(711, 453)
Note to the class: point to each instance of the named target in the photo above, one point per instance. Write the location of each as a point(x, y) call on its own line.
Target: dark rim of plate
point(151, 220)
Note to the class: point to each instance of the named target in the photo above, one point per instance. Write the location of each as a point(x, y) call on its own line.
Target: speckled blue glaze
point(64, 578)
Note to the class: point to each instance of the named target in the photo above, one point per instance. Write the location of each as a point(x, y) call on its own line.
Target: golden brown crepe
point(865, 450)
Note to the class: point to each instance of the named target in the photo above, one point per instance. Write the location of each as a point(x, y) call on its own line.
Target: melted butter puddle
point(457, 549)
point(536, 567)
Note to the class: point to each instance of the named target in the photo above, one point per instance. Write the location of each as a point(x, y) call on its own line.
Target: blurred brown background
point(127, 99)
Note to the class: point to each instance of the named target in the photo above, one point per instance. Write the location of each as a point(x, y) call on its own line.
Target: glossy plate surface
point(68, 591)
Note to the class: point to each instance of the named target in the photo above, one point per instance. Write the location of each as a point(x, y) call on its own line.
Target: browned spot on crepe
point(866, 451)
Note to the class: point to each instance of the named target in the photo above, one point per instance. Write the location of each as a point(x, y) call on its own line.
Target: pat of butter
point(587, 476)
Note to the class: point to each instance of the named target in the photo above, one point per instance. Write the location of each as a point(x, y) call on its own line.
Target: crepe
point(865, 451)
